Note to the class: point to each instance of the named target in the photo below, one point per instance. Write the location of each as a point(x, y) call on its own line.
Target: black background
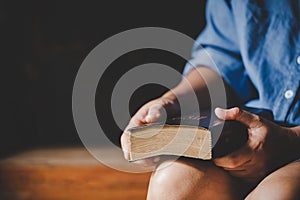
point(42, 46)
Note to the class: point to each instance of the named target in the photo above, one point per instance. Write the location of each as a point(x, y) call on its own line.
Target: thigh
point(194, 179)
point(284, 183)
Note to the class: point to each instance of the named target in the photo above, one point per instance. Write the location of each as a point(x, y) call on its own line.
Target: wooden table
point(67, 173)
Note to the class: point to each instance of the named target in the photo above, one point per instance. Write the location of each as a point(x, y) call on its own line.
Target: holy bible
point(201, 137)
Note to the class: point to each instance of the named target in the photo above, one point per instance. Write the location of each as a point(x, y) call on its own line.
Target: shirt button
point(289, 94)
point(298, 60)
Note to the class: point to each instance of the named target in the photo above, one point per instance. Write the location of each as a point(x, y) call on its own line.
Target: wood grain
point(66, 173)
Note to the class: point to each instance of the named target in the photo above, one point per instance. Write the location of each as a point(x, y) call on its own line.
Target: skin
point(261, 169)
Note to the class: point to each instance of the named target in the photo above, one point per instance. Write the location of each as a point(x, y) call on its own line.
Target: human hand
point(151, 112)
point(269, 146)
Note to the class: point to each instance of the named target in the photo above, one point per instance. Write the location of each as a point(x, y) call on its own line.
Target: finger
point(248, 119)
point(242, 167)
point(154, 113)
point(148, 162)
point(125, 144)
point(240, 174)
point(137, 120)
point(125, 137)
point(235, 159)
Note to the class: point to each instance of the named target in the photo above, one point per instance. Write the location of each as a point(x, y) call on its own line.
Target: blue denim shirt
point(255, 46)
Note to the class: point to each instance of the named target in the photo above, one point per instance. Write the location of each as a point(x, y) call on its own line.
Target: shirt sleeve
point(217, 47)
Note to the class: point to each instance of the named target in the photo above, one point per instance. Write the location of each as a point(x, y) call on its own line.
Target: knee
point(173, 180)
point(281, 184)
point(273, 189)
point(186, 180)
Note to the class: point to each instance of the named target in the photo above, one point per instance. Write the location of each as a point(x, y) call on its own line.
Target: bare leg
point(284, 183)
point(193, 179)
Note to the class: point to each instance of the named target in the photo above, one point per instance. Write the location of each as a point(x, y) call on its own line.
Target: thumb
point(154, 113)
point(247, 118)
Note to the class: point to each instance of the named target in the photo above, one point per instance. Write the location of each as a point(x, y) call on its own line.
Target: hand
point(269, 146)
point(149, 113)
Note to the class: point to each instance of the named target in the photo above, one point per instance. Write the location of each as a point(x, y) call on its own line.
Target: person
point(255, 47)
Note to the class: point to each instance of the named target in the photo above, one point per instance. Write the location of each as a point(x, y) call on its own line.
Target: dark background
point(42, 46)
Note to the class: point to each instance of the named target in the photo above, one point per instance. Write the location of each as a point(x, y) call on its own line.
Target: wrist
point(170, 102)
point(170, 96)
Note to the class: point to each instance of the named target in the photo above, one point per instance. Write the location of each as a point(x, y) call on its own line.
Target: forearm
point(195, 84)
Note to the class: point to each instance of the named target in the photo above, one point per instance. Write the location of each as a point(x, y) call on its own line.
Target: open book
point(189, 136)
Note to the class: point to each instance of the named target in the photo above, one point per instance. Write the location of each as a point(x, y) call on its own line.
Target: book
point(202, 137)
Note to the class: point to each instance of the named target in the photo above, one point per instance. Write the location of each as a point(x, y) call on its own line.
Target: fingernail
point(148, 118)
point(218, 110)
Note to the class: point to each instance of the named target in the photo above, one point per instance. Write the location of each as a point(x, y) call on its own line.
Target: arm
point(195, 83)
point(216, 48)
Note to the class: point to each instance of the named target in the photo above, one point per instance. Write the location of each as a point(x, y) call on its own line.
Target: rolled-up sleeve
point(217, 47)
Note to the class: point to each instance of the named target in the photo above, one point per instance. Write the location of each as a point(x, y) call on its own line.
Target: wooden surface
point(67, 173)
